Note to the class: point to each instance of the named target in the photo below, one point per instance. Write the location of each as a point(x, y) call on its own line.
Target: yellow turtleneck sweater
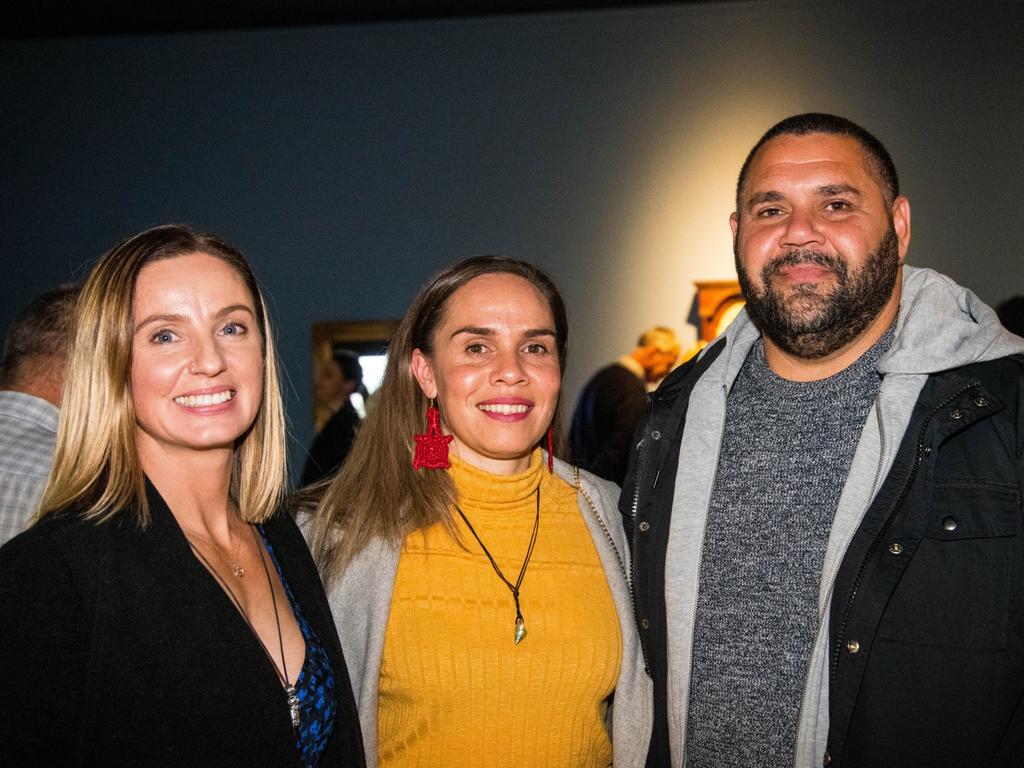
point(454, 688)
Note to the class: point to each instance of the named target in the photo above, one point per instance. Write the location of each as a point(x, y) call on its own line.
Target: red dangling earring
point(551, 451)
point(432, 446)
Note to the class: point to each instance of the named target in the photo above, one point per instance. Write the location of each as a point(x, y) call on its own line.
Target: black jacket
point(927, 613)
point(117, 647)
point(606, 415)
point(331, 445)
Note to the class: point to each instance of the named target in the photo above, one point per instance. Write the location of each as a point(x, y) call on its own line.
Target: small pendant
point(238, 570)
point(520, 629)
point(293, 706)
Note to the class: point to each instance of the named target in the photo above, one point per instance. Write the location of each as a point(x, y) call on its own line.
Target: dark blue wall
point(350, 162)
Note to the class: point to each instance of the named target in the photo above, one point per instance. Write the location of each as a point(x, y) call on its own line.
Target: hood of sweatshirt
point(942, 325)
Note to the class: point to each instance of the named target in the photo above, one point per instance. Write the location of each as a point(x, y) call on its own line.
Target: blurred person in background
point(31, 388)
point(336, 381)
point(612, 402)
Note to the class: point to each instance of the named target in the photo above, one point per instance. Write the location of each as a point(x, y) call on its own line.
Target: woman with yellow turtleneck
point(478, 584)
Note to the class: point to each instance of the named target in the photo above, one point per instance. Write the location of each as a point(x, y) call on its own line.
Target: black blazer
point(117, 647)
point(331, 446)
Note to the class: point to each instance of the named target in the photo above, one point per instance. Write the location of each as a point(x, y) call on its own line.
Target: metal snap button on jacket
point(644, 526)
point(949, 523)
point(896, 548)
point(853, 646)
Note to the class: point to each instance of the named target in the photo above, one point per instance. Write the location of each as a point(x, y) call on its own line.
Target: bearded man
point(825, 506)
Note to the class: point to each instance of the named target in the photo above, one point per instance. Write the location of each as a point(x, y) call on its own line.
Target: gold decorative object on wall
point(361, 336)
point(718, 302)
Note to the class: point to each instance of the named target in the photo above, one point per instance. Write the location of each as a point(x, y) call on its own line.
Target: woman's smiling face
point(197, 356)
point(494, 371)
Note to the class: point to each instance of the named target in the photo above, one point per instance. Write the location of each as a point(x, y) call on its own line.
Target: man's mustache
point(797, 258)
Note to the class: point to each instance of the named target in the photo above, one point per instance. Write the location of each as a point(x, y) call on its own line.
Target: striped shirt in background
point(28, 432)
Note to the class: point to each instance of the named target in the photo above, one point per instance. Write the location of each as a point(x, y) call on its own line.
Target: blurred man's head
point(656, 350)
point(35, 350)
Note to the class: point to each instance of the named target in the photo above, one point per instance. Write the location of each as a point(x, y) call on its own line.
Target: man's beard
point(811, 321)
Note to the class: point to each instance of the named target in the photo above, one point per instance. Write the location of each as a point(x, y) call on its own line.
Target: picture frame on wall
point(367, 338)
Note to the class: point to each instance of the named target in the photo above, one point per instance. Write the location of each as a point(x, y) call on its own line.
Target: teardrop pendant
point(520, 629)
point(520, 632)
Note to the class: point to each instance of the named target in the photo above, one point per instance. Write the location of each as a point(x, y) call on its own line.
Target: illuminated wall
point(351, 162)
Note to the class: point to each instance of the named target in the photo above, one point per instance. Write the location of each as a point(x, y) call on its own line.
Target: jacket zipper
point(920, 453)
point(633, 513)
point(881, 449)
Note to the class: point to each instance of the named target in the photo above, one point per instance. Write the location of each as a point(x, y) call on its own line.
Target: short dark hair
point(820, 122)
point(39, 331)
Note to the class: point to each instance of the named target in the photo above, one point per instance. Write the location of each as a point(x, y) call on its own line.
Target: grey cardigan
point(361, 601)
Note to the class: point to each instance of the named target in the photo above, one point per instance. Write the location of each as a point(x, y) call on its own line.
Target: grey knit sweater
point(785, 455)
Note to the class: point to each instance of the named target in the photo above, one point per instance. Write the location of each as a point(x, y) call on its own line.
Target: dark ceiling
point(62, 18)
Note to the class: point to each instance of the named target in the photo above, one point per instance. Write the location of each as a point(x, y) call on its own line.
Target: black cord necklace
point(289, 689)
point(520, 632)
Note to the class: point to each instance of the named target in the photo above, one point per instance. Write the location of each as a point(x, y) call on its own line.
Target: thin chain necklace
point(233, 561)
point(520, 632)
point(282, 672)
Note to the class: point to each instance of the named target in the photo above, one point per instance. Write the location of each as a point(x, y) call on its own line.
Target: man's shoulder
point(26, 454)
point(615, 372)
point(1003, 375)
point(1013, 364)
point(22, 406)
point(343, 420)
point(28, 430)
point(613, 380)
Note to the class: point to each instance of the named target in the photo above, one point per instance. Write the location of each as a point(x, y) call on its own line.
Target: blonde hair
point(96, 468)
point(377, 493)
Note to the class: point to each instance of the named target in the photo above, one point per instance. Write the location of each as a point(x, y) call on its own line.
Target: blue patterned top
point(314, 686)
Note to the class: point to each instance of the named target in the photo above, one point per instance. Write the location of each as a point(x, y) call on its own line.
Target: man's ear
point(424, 373)
point(901, 224)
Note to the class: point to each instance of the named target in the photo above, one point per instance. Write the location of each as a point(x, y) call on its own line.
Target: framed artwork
point(718, 303)
point(367, 338)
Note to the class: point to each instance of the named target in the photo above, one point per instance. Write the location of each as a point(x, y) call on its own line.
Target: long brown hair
point(96, 465)
point(377, 493)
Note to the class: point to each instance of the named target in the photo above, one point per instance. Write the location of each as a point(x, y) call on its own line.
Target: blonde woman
point(162, 610)
point(478, 584)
